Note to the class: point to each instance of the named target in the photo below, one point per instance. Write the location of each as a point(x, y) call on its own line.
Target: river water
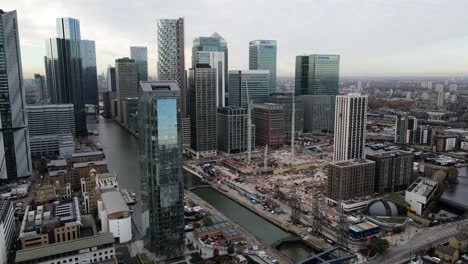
point(121, 149)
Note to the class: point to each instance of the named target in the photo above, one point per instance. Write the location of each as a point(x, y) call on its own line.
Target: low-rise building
point(115, 215)
point(459, 241)
point(92, 249)
point(419, 194)
point(87, 156)
point(52, 146)
point(447, 253)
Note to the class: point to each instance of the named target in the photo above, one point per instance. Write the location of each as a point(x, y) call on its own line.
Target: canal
point(121, 150)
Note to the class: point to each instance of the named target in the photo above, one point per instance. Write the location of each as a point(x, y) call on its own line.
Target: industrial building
point(350, 179)
point(268, 119)
point(393, 170)
point(420, 193)
point(232, 130)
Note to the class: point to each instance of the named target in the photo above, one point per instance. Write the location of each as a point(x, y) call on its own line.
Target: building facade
point(159, 119)
point(215, 60)
point(171, 58)
point(51, 119)
point(111, 82)
point(202, 106)
point(140, 56)
point(318, 75)
point(232, 130)
point(14, 124)
point(41, 88)
point(7, 229)
point(350, 179)
point(268, 119)
point(88, 63)
point(126, 75)
point(251, 84)
point(406, 129)
point(350, 127)
point(393, 170)
point(262, 56)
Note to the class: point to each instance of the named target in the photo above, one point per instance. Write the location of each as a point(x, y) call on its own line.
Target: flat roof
point(86, 164)
point(58, 162)
point(353, 162)
point(388, 154)
point(422, 186)
point(85, 154)
point(56, 173)
point(67, 246)
point(114, 202)
point(363, 226)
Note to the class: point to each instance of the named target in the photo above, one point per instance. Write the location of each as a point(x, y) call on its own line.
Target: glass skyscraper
point(14, 137)
point(140, 56)
point(317, 79)
point(88, 63)
point(63, 64)
point(262, 56)
point(254, 82)
point(159, 121)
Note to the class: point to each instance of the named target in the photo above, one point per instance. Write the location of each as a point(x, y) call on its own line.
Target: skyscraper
point(171, 58)
point(159, 120)
point(393, 170)
point(126, 76)
point(318, 76)
point(111, 85)
point(41, 88)
point(202, 107)
point(350, 127)
point(88, 63)
point(12, 102)
point(140, 56)
point(262, 56)
point(215, 60)
point(63, 65)
point(254, 82)
point(232, 125)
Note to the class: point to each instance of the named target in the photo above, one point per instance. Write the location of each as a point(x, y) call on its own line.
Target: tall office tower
point(440, 99)
point(350, 179)
point(171, 58)
point(254, 82)
point(232, 130)
point(159, 120)
point(268, 119)
point(41, 88)
point(50, 119)
point(126, 79)
point(212, 43)
point(350, 127)
point(111, 85)
point(318, 77)
point(140, 56)
point(393, 170)
point(64, 69)
point(202, 107)
point(262, 56)
point(7, 229)
point(88, 63)
point(12, 103)
point(405, 132)
point(214, 59)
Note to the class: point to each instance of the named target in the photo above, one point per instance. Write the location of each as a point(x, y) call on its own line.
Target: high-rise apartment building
point(393, 170)
point(202, 107)
point(159, 120)
point(41, 88)
point(212, 43)
point(140, 56)
point(318, 75)
point(405, 132)
point(51, 119)
point(88, 63)
point(350, 127)
point(255, 83)
point(262, 56)
point(350, 179)
point(14, 128)
point(63, 64)
point(268, 119)
point(171, 58)
point(215, 60)
point(126, 79)
point(232, 130)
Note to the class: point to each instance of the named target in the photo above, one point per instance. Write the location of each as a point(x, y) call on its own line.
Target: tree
point(230, 250)
point(453, 172)
point(207, 221)
point(378, 245)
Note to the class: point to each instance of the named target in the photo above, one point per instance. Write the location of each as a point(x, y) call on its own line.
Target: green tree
point(230, 250)
point(453, 172)
point(378, 245)
point(207, 221)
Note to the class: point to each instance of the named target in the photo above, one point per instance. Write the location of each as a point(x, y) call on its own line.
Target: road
point(424, 238)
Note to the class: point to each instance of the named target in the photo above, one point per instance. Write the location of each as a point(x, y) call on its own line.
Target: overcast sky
point(373, 37)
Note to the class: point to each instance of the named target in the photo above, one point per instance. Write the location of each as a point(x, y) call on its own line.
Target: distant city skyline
point(374, 38)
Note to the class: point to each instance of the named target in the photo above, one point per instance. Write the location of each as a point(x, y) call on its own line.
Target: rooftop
point(86, 154)
point(60, 248)
point(114, 202)
point(59, 162)
point(461, 236)
point(56, 173)
point(446, 250)
point(354, 162)
point(363, 226)
point(388, 154)
point(88, 163)
point(422, 186)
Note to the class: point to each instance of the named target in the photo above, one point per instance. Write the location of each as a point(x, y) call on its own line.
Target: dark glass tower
point(13, 127)
point(159, 121)
point(63, 65)
point(90, 84)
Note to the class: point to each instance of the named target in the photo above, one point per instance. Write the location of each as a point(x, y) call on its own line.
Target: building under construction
point(232, 125)
point(268, 119)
